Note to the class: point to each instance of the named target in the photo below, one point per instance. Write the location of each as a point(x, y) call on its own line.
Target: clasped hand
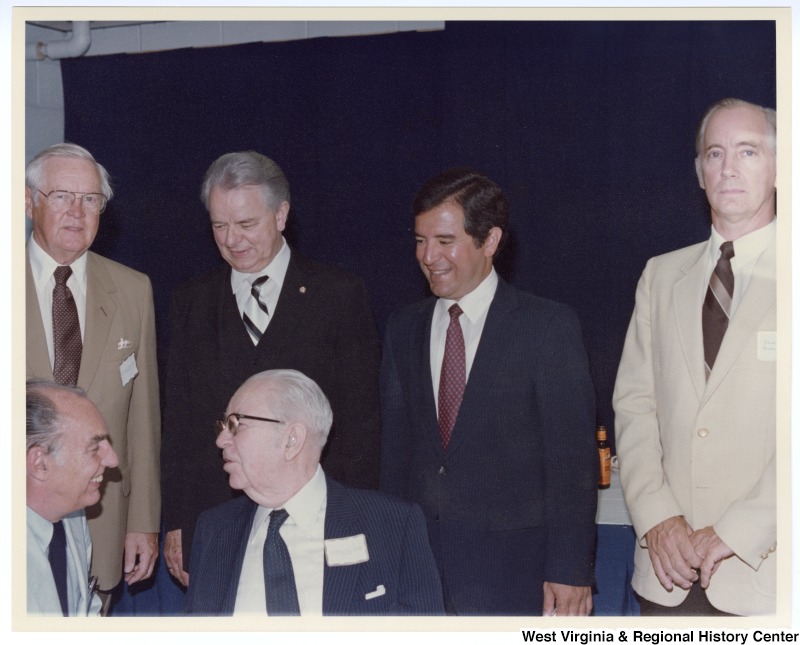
point(681, 556)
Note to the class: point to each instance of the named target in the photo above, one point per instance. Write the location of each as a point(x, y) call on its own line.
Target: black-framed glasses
point(231, 422)
point(61, 200)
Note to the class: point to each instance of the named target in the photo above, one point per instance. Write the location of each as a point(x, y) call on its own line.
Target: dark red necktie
point(453, 378)
point(67, 344)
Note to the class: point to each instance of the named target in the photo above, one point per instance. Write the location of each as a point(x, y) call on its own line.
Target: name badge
point(128, 369)
point(340, 552)
point(767, 346)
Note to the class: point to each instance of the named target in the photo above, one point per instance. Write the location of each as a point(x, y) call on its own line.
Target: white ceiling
point(94, 24)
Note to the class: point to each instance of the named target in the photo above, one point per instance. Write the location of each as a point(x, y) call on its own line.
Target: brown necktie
point(453, 378)
point(67, 343)
point(717, 306)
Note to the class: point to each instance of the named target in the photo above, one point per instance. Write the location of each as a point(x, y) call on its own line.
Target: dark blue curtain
point(587, 126)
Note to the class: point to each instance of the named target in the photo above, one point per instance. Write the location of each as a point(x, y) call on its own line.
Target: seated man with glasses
point(90, 322)
point(298, 542)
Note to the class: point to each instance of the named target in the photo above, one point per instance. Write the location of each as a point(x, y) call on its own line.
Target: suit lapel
point(759, 299)
point(37, 357)
point(292, 306)
point(101, 308)
point(235, 533)
point(341, 520)
point(420, 353)
point(687, 304)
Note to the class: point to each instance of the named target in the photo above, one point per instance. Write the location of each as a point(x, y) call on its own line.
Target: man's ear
point(492, 241)
point(295, 440)
point(281, 214)
point(38, 463)
point(28, 203)
point(698, 168)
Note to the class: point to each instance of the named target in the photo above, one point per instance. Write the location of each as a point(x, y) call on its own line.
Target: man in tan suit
point(695, 418)
point(65, 192)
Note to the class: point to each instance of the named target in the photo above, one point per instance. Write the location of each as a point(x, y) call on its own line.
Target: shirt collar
point(304, 507)
point(43, 265)
point(747, 248)
point(276, 270)
point(41, 528)
point(477, 301)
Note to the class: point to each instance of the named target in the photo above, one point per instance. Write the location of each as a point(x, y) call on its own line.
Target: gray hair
point(728, 104)
point(42, 420)
point(298, 398)
point(35, 168)
point(242, 169)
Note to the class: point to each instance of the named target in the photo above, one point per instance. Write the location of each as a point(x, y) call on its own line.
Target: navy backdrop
point(587, 126)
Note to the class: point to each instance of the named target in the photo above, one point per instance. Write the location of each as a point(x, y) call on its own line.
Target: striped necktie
point(717, 306)
point(256, 314)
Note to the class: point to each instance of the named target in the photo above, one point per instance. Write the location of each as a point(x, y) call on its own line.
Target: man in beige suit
point(696, 431)
point(65, 192)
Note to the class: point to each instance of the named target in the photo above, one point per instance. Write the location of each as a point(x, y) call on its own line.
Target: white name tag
point(767, 346)
point(341, 552)
point(128, 369)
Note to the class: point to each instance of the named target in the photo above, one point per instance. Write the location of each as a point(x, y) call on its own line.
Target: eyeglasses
point(61, 200)
point(231, 422)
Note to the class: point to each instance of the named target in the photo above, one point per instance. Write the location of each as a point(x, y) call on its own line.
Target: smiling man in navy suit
point(488, 417)
point(297, 542)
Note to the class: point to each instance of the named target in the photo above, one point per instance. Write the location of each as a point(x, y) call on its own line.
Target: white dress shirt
point(42, 269)
point(475, 306)
point(270, 290)
point(747, 249)
point(304, 535)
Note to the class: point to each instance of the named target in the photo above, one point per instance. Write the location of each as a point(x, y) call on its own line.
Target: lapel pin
point(302, 289)
point(123, 343)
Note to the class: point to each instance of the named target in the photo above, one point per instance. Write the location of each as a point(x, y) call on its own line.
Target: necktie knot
point(455, 311)
point(277, 518)
point(726, 250)
point(255, 286)
point(62, 274)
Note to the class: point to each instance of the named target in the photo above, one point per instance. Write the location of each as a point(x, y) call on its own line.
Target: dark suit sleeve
point(353, 449)
point(394, 438)
point(420, 587)
point(567, 407)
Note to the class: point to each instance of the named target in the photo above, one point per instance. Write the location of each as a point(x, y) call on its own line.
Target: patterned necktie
point(57, 555)
point(279, 583)
point(453, 378)
point(67, 344)
point(255, 313)
point(717, 306)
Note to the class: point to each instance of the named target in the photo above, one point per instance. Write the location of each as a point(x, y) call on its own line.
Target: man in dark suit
point(267, 308)
point(488, 417)
point(109, 351)
point(299, 543)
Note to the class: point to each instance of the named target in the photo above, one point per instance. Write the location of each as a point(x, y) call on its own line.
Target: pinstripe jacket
point(400, 558)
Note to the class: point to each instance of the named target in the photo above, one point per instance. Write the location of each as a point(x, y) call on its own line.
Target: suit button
point(442, 470)
point(702, 432)
point(764, 556)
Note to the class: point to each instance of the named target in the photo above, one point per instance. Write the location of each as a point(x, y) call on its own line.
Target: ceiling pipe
point(73, 47)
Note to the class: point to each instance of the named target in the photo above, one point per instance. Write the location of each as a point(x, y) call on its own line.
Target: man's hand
point(672, 553)
point(566, 600)
point(141, 550)
point(173, 555)
point(712, 549)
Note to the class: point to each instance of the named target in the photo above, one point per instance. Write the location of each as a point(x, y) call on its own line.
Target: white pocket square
point(379, 591)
